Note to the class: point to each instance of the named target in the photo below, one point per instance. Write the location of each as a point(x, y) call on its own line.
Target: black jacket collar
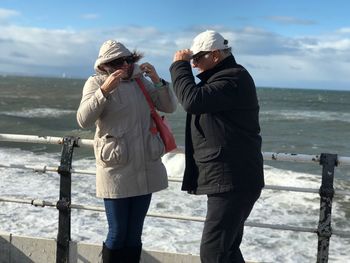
point(228, 62)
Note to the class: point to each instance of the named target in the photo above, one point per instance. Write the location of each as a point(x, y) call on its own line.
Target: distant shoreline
point(5, 75)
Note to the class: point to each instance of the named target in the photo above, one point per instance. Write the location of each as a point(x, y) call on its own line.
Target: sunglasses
point(119, 62)
point(200, 55)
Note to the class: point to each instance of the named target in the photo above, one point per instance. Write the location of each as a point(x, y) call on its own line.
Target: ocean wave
point(39, 113)
point(306, 115)
point(273, 207)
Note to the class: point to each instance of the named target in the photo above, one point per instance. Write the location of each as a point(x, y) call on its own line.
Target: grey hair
point(225, 52)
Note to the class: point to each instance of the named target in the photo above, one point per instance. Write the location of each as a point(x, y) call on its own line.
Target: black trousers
point(224, 224)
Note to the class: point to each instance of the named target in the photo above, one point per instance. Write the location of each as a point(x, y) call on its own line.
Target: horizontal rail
point(40, 139)
point(43, 203)
point(268, 156)
point(44, 169)
point(302, 158)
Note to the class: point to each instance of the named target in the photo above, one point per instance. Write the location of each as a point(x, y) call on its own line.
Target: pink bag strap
point(150, 103)
point(144, 91)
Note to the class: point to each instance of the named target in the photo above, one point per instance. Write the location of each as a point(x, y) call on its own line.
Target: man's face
point(203, 61)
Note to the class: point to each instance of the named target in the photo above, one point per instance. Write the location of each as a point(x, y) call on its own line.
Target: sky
point(287, 44)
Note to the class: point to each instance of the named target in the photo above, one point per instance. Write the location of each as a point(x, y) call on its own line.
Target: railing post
point(324, 230)
point(63, 205)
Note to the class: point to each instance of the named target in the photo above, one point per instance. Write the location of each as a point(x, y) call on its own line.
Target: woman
point(128, 154)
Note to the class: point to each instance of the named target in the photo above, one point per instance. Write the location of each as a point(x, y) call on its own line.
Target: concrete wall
point(21, 249)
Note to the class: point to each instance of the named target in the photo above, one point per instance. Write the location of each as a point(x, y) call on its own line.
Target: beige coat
point(128, 155)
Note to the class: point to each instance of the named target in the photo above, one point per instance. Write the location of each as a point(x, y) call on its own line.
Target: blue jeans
point(125, 218)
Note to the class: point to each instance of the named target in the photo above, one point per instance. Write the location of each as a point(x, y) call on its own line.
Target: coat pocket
point(111, 151)
point(207, 155)
point(155, 147)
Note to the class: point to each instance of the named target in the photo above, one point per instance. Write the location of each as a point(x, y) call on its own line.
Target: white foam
point(39, 113)
point(274, 207)
point(306, 115)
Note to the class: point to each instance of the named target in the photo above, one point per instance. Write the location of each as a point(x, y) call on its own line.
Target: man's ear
point(216, 56)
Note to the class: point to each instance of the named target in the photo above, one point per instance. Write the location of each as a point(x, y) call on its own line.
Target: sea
point(306, 121)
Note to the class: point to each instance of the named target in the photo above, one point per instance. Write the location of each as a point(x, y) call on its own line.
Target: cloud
point(290, 20)
point(42, 45)
point(273, 59)
point(294, 61)
point(90, 16)
point(7, 13)
point(344, 30)
point(257, 41)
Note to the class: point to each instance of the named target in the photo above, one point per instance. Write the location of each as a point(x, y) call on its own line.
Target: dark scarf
point(228, 62)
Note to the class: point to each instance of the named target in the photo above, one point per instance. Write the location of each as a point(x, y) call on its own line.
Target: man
point(222, 143)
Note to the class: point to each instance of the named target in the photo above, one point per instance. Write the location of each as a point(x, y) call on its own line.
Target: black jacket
point(222, 142)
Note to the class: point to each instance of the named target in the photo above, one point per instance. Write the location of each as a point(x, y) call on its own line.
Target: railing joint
point(37, 203)
point(329, 159)
point(324, 232)
point(63, 205)
point(326, 192)
point(69, 142)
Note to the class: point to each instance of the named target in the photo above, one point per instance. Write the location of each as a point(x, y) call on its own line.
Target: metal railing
point(64, 205)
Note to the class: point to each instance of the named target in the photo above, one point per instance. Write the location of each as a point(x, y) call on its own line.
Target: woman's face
point(123, 63)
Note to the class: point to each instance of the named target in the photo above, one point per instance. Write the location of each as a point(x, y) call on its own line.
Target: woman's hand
point(112, 81)
point(150, 72)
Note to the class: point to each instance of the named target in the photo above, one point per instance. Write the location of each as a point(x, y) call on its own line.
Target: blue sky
point(296, 44)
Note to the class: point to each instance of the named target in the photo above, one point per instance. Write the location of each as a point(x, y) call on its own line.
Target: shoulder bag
point(162, 126)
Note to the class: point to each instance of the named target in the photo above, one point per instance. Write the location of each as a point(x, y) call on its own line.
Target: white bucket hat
point(208, 41)
point(110, 50)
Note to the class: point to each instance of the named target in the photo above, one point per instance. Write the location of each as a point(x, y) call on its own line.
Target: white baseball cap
point(208, 41)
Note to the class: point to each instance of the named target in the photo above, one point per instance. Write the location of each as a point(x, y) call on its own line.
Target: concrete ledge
point(14, 249)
